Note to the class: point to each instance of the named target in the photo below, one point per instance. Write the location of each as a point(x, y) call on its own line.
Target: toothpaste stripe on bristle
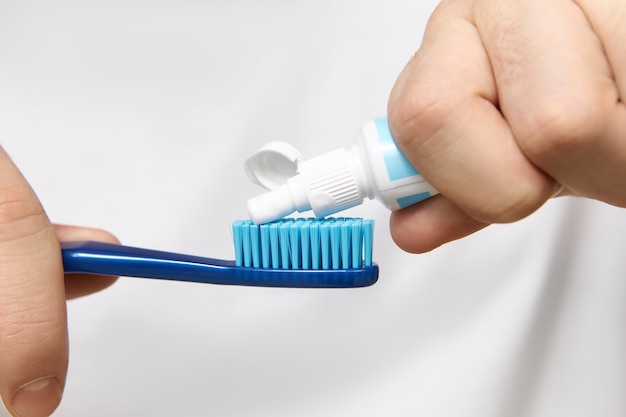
point(333, 243)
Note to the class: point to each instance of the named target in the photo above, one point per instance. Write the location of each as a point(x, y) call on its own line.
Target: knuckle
point(561, 126)
point(416, 116)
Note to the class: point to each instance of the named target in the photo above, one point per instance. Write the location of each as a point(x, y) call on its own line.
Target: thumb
point(33, 327)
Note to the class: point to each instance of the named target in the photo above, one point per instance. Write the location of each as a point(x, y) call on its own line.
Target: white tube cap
point(273, 165)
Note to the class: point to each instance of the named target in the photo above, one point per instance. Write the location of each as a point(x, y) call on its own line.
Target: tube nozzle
point(272, 205)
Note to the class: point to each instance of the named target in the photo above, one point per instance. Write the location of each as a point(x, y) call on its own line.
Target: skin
point(33, 291)
point(507, 104)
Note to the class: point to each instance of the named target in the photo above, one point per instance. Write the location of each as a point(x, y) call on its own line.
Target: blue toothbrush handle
point(109, 259)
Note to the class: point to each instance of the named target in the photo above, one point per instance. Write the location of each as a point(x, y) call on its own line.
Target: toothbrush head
point(331, 243)
point(331, 252)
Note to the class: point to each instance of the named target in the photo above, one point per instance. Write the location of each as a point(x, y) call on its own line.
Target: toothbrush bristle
point(331, 243)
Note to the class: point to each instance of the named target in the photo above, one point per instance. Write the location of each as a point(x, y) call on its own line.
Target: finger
point(33, 329)
point(429, 224)
point(558, 89)
point(607, 20)
point(443, 113)
point(78, 285)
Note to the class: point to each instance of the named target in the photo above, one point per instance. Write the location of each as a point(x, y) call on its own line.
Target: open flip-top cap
point(273, 165)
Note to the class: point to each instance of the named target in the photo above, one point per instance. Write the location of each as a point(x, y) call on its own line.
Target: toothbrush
point(311, 253)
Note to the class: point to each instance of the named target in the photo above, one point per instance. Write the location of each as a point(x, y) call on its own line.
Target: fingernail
point(38, 398)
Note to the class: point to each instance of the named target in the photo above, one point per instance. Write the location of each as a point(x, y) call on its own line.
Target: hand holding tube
point(504, 104)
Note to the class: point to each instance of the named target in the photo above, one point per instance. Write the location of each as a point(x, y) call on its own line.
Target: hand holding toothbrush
point(33, 327)
point(507, 104)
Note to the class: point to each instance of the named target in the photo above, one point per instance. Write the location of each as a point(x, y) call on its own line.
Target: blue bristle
point(325, 245)
point(333, 243)
point(357, 244)
point(368, 239)
point(238, 241)
point(255, 245)
point(305, 244)
point(247, 246)
point(274, 246)
point(335, 249)
point(294, 245)
point(346, 250)
point(283, 234)
point(265, 246)
point(314, 228)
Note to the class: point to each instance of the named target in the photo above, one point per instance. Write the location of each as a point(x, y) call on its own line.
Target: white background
point(136, 116)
